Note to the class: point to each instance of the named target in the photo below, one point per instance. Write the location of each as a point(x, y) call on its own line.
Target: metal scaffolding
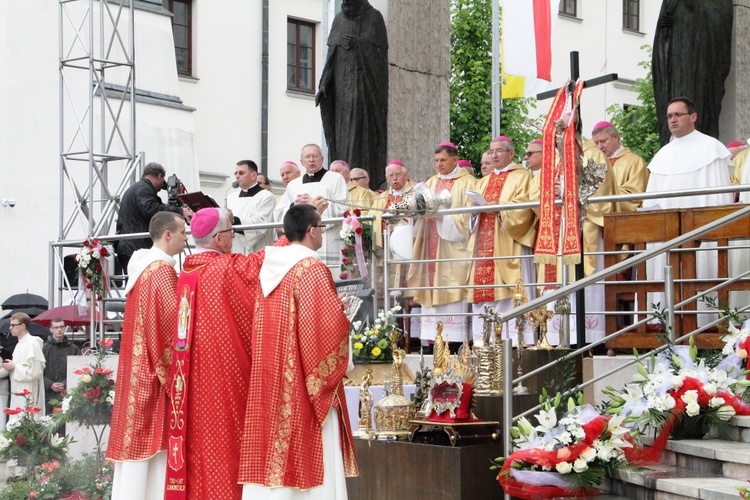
point(96, 123)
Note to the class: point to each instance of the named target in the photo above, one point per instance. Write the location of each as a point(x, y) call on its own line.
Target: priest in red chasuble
point(443, 237)
point(138, 438)
point(296, 433)
point(210, 362)
point(506, 233)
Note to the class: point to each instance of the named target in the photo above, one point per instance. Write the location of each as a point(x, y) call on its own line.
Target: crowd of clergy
point(449, 285)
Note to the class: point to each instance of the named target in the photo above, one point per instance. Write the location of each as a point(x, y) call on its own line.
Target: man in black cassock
point(353, 90)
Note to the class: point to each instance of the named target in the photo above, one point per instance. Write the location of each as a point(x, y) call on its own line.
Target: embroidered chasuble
point(219, 371)
point(300, 353)
point(438, 238)
point(630, 176)
point(139, 413)
point(501, 234)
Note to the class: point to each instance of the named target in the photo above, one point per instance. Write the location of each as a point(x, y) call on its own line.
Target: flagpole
point(497, 103)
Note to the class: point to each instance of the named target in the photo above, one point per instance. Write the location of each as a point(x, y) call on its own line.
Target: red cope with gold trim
point(139, 416)
point(484, 270)
point(300, 352)
point(219, 370)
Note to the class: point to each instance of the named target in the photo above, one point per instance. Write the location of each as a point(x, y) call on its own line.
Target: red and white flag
point(526, 46)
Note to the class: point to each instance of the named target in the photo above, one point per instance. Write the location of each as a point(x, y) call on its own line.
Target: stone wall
point(418, 102)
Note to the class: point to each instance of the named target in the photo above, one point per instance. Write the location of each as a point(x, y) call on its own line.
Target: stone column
point(734, 123)
point(419, 72)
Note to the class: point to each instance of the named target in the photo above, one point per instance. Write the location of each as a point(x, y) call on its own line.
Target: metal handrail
point(475, 209)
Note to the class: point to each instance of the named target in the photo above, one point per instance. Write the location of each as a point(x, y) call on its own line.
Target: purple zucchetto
point(204, 221)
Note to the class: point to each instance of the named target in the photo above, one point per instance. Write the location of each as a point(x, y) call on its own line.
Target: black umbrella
point(31, 311)
point(23, 300)
point(34, 328)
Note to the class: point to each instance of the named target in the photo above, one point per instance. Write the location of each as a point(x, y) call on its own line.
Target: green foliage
point(471, 87)
point(637, 124)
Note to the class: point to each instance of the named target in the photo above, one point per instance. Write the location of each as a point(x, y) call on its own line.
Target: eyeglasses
point(231, 229)
point(677, 115)
point(530, 153)
point(498, 151)
point(311, 157)
point(319, 226)
point(357, 178)
point(14, 324)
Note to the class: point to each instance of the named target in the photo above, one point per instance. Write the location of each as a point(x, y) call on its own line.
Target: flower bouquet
point(92, 267)
point(680, 395)
point(375, 342)
point(30, 439)
point(90, 402)
point(357, 242)
point(567, 454)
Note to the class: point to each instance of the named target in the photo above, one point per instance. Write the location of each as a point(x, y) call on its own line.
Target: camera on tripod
point(174, 189)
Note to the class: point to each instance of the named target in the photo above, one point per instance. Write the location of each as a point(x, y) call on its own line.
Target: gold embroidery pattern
point(280, 450)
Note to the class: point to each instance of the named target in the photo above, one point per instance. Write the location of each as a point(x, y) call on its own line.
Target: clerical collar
point(316, 177)
point(398, 193)
point(504, 169)
point(452, 174)
point(251, 191)
point(614, 155)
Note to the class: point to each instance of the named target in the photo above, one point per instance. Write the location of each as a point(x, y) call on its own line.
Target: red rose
point(98, 266)
point(104, 252)
point(343, 251)
point(343, 276)
point(346, 214)
point(110, 382)
point(20, 440)
point(345, 260)
point(89, 285)
point(12, 411)
point(87, 244)
point(357, 212)
point(358, 230)
point(94, 243)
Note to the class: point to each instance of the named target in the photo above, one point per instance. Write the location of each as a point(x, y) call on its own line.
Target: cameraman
point(139, 203)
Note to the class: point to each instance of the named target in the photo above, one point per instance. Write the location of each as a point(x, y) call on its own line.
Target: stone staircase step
point(710, 456)
point(672, 482)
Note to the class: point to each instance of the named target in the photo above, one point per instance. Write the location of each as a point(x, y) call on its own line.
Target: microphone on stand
point(234, 185)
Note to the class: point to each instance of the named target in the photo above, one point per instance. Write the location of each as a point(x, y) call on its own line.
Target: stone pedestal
point(734, 123)
point(419, 72)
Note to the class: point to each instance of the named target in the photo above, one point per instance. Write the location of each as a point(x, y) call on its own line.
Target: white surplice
point(332, 186)
point(256, 209)
point(690, 162)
